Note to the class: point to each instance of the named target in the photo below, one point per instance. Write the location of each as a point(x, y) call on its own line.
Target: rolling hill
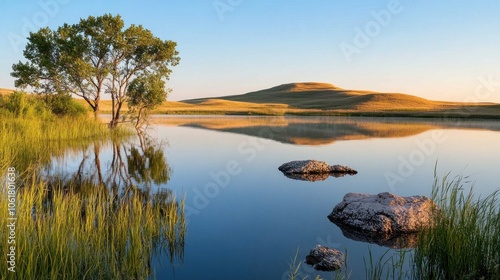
point(327, 97)
point(321, 99)
point(5, 91)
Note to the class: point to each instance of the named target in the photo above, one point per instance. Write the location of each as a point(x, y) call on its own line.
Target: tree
point(97, 56)
point(145, 93)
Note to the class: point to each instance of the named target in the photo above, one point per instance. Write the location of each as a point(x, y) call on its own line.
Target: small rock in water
point(314, 167)
point(325, 259)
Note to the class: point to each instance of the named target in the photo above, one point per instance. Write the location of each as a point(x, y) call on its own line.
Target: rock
point(325, 259)
point(384, 213)
point(314, 167)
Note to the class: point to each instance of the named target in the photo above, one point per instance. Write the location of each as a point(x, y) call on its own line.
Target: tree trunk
point(96, 111)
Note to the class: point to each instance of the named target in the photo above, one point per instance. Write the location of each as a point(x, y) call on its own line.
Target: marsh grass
point(465, 240)
point(28, 141)
point(463, 243)
point(392, 264)
point(67, 229)
point(91, 234)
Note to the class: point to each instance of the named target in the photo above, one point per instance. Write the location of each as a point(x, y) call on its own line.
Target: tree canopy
point(97, 56)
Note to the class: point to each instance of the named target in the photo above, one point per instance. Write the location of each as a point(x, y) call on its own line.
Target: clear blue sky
point(434, 49)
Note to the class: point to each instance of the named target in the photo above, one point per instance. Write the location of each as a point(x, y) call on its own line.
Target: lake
point(246, 220)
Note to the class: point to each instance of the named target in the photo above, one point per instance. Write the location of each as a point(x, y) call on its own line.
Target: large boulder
point(384, 213)
point(325, 259)
point(299, 167)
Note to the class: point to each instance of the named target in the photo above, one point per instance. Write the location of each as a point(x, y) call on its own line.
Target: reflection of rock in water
point(307, 177)
point(314, 177)
point(394, 241)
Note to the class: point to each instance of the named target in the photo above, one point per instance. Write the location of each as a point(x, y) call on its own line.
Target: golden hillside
point(329, 97)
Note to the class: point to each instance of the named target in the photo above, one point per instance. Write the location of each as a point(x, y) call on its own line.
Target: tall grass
point(90, 234)
point(464, 242)
point(28, 141)
point(70, 229)
point(390, 265)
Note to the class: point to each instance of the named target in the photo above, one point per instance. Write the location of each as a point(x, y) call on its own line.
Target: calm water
point(246, 220)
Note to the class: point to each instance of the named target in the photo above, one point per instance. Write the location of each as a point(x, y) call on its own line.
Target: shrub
point(63, 104)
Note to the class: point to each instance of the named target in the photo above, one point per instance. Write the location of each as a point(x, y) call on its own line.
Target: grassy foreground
point(54, 228)
point(90, 234)
point(464, 242)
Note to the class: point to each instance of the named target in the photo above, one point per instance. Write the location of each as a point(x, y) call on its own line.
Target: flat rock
point(384, 213)
point(314, 167)
point(325, 259)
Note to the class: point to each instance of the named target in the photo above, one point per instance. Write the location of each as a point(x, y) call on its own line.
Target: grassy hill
point(4, 91)
point(329, 97)
point(326, 99)
point(321, 99)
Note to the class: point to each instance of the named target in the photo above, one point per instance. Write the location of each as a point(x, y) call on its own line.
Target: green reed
point(464, 242)
point(67, 229)
point(28, 141)
point(90, 234)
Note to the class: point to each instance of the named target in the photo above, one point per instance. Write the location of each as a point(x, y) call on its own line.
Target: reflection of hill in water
point(322, 130)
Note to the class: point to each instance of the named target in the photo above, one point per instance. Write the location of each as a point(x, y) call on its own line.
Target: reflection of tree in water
point(147, 163)
point(115, 186)
point(130, 165)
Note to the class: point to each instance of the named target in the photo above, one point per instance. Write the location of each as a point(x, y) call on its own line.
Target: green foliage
point(390, 265)
point(147, 92)
point(144, 94)
point(465, 241)
point(27, 141)
point(20, 105)
point(76, 229)
point(64, 104)
point(91, 234)
point(95, 56)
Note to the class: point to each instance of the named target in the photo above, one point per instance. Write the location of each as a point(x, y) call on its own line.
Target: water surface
point(246, 220)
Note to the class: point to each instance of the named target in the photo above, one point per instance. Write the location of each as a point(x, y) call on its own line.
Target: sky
point(440, 50)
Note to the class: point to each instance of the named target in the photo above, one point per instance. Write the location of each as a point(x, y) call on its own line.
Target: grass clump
point(90, 234)
point(32, 133)
point(464, 242)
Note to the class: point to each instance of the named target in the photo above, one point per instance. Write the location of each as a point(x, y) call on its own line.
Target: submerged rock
point(299, 167)
point(325, 259)
point(390, 240)
point(383, 213)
